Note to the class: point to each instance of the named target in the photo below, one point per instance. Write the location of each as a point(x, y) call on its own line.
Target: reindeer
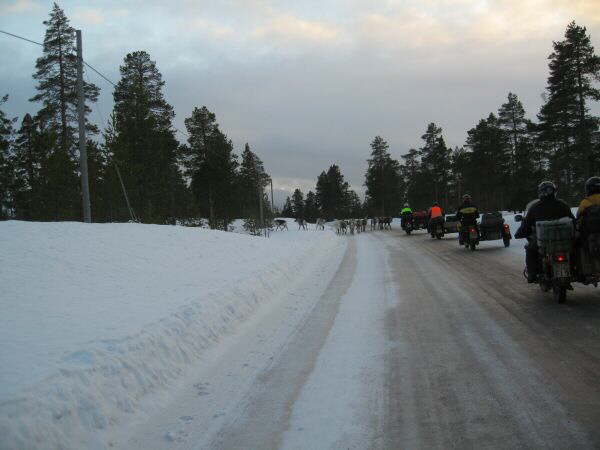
point(352, 225)
point(373, 223)
point(280, 224)
point(320, 224)
point(301, 224)
point(343, 226)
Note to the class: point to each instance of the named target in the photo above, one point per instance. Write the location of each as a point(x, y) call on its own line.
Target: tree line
point(506, 154)
point(137, 168)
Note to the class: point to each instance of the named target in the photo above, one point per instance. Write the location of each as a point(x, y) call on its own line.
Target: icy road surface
point(414, 343)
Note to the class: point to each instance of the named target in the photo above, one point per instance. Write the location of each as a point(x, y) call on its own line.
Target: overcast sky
point(309, 83)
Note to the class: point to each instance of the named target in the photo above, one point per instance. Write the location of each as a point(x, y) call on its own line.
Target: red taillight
point(472, 230)
point(560, 257)
point(506, 227)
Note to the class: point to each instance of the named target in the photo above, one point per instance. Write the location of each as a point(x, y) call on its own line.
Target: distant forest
point(138, 170)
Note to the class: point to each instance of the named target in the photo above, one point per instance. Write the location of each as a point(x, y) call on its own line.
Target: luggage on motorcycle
point(555, 235)
point(492, 220)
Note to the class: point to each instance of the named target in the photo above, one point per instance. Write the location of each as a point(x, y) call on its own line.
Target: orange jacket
point(435, 211)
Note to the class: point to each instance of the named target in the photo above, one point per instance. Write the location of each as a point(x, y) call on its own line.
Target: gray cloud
point(310, 83)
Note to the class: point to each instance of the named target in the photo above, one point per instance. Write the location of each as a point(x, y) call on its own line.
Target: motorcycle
point(556, 274)
point(555, 240)
point(470, 237)
point(407, 226)
point(437, 229)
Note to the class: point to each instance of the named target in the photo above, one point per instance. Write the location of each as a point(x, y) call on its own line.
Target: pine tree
point(298, 204)
point(332, 193)
point(383, 180)
point(287, 210)
point(29, 157)
point(56, 76)
point(311, 210)
point(435, 160)
point(522, 152)
point(56, 73)
point(415, 184)
point(212, 168)
point(252, 179)
point(566, 128)
point(144, 145)
point(7, 175)
point(488, 172)
point(353, 205)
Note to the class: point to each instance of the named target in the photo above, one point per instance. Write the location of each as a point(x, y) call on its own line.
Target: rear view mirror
point(518, 218)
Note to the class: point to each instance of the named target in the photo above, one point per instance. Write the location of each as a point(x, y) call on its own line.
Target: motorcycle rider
point(467, 214)
point(592, 195)
point(406, 215)
point(548, 207)
point(435, 214)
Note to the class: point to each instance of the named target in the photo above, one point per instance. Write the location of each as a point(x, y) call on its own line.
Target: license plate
point(561, 270)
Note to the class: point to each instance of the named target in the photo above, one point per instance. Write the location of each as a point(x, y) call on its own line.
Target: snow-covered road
point(414, 343)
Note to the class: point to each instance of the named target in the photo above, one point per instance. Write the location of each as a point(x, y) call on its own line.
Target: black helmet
point(546, 189)
point(436, 204)
point(466, 198)
point(592, 186)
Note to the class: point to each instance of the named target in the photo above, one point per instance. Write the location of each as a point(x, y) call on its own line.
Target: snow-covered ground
point(94, 319)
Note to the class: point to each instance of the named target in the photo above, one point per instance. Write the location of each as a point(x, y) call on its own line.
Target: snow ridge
point(102, 377)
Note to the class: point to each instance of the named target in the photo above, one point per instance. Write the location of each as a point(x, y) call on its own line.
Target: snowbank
point(93, 318)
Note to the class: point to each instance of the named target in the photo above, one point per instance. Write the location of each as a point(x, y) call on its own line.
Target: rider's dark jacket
point(467, 214)
point(546, 209)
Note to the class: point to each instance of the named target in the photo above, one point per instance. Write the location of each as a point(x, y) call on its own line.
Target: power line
point(114, 85)
point(21, 37)
point(87, 64)
point(38, 43)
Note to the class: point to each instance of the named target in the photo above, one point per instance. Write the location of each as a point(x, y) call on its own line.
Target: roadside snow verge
point(94, 318)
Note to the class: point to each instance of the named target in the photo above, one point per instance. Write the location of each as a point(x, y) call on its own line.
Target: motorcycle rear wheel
point(472, 246)
point(506, 242)
point(559, 293)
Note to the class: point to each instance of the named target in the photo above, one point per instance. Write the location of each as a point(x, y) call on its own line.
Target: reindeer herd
point(351, 226)
point(343, 226)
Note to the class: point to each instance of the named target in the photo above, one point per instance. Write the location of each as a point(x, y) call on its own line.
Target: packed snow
point(94, 318)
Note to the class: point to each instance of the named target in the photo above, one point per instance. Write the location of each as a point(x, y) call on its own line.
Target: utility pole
point(272, 204)
point(260, 206)
point(85, 188)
